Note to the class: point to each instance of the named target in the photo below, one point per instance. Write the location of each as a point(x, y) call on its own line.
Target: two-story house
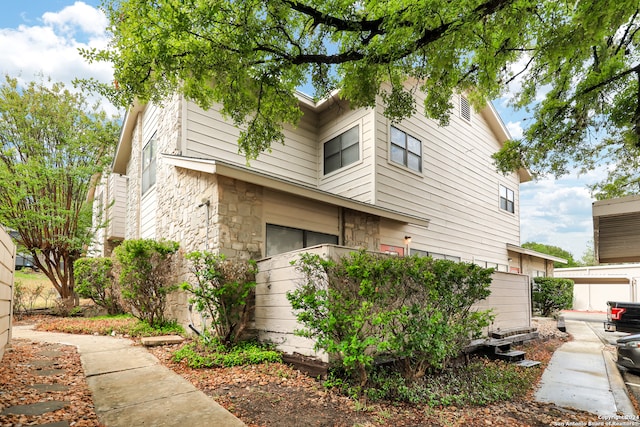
point(344, 176)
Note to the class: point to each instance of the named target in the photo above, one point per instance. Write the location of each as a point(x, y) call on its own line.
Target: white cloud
point(51, 47)
point(515, 129)
point(87, 18)
point(558, 212)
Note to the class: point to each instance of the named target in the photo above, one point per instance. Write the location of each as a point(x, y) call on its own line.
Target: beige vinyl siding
point(209, 135)
point(458, 188)
point(510, 301)
point(290, 211)
point(7, 265)
point(116, 206)
point(355, 180)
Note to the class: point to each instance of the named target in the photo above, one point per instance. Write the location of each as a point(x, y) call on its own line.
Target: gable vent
point(465, 109)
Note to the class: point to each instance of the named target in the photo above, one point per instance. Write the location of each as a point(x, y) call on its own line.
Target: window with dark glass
point(281, 239)
point(406, 150)
point(342, 150)
point(149, 164)
point(507, 199)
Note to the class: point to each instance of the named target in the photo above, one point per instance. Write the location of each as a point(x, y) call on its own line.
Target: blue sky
point(42, 37)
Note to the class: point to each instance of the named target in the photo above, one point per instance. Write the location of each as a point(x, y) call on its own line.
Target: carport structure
point(594, 286)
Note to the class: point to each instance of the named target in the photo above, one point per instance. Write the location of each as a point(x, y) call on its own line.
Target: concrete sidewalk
point(131, 388)
point(583, 375)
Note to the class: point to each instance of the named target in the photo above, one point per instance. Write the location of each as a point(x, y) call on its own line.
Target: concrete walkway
point(131, 388)
point(583, 375)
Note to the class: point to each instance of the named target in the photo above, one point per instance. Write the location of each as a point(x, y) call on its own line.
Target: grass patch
point(121, 324)
point(199, 354)
point(480, 382)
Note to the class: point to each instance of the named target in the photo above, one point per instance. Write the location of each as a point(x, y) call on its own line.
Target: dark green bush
point(144, 271)
point(551, 294)
point(224, 290)
point(415, 310)
point(94, 279)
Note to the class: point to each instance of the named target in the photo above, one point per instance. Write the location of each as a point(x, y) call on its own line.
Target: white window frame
point(507, 199)
point(405, 150)
point(341, 151)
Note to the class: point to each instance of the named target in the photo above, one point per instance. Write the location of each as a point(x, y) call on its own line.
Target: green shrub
point(412, 309)
point(224, 290)
point(94, 280)
point(144, 271)
point(551, 294)
point(215, 354)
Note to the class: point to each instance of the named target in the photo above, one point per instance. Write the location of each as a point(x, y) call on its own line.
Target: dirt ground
point(278, 395)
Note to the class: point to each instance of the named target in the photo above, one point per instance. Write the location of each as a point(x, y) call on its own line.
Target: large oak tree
point(577, 62)
point(52, 142)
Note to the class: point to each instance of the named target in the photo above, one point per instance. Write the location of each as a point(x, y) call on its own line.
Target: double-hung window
point(149, 164)
point(342, 150)
point(406, 150)
point(507, 199)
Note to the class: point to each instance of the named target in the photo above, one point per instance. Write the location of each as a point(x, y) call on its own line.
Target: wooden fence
point(7, 265)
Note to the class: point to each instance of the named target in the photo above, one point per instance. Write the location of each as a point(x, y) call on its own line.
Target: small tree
point(551, 294)
point(94, 280)
point(52, 142)
point(224, 290)
point(144, 270)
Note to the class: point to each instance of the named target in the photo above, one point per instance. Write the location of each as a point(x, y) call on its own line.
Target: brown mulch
point(19, 372)
point(278, 395)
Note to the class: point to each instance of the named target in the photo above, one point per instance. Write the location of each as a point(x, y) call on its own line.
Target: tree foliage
point(52, 142)
point(555, 251)
point(580, 58)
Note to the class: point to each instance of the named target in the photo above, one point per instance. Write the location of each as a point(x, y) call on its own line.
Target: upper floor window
point(406, 150)
point(465, 108)
point(342, 150)
point(149, 164)
point(507, 199)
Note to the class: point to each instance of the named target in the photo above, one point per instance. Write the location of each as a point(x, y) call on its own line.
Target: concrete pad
point(135, 386)
point(194, 409)
point(579, 376)
point(121, 359)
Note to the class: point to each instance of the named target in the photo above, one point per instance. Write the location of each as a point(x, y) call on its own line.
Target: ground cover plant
point(213, 353)
point(123, 324)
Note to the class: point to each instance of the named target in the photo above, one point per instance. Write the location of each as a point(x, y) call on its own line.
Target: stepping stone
point(51, 353)
point(39, 408)
point(49, 372)
point(43, 363)
point(45, 388)
point(56, 424)
point(162, 340)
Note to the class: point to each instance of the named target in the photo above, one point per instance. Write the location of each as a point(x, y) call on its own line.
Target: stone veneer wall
point(239, 232)
point(361, 230)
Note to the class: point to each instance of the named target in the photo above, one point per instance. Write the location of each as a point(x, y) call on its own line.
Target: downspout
point(207, 203)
